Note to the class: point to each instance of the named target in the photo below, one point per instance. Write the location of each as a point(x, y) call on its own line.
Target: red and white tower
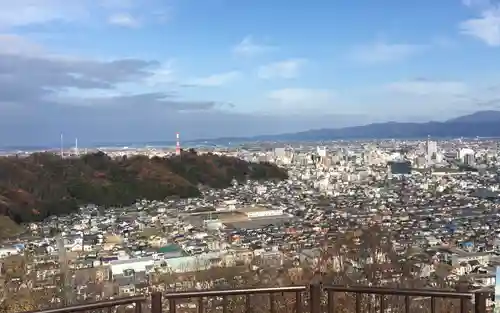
point(177, 145)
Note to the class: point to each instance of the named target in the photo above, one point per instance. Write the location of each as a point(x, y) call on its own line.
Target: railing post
point(315, 298)
point(480, 302)
point(464, 302)
point(156, 305)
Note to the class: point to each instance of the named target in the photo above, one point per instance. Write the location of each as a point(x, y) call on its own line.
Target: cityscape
point(413, 214)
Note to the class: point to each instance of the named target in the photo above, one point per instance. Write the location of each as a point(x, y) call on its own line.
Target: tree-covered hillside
point(43, 184)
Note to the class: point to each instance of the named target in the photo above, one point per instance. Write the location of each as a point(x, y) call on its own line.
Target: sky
point(141, 70)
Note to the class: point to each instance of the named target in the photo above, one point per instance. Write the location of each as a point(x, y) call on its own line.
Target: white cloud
point(248, 47)
point(162, 76)
point(42, 86)
point(428, 88)
point(285, 69)
point(485, 27)
point(301, 98)
point(476, 3)
point(441, 97)
point(14, 44)
point(26, 12)
point(124, 19)
point(117, 4)
point(443, 42)
point(215, 80)
point(380, 52)
point(29, 12)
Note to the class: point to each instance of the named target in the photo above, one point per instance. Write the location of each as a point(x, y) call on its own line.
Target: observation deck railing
point(297, 299)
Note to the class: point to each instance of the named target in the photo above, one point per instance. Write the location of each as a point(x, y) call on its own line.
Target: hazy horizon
point(93, 142)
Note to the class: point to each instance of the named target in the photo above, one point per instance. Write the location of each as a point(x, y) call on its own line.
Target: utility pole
point(66, 292)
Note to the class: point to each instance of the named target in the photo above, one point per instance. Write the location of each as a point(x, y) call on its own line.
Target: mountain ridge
point(477, 124)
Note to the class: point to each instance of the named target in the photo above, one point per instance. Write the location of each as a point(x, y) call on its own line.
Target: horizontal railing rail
point(316, 298)
point(172, 297)
point(410, 295)
point(232, 292)
point(400, 292)
point(138, 301)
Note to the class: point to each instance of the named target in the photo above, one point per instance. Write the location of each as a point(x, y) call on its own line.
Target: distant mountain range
point(479, 124)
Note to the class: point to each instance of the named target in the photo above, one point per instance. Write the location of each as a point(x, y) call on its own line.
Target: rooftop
point(253, 209)
point(170, 249)
point(259, 222)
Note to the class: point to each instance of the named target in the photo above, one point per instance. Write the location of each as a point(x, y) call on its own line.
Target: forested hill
point(43, 184)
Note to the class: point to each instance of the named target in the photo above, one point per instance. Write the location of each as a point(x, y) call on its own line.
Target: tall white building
point(279, 152)
point(430, 150)
point(321, 151)
point(463, 152)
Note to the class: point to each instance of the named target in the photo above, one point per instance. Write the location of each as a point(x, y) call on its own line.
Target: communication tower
point(62, 146)
point(177, 145)
point(77, 152)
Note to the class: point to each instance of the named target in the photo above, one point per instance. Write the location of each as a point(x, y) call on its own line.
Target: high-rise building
point(465, 151)
point(321, 151)
point(430, 150)
point(469, 159)
point(279, 152)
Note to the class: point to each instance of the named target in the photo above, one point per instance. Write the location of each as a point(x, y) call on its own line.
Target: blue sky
point(130, 70)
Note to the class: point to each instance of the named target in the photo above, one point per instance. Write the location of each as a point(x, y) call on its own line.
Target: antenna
point(62, 146)
point(177, 145)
